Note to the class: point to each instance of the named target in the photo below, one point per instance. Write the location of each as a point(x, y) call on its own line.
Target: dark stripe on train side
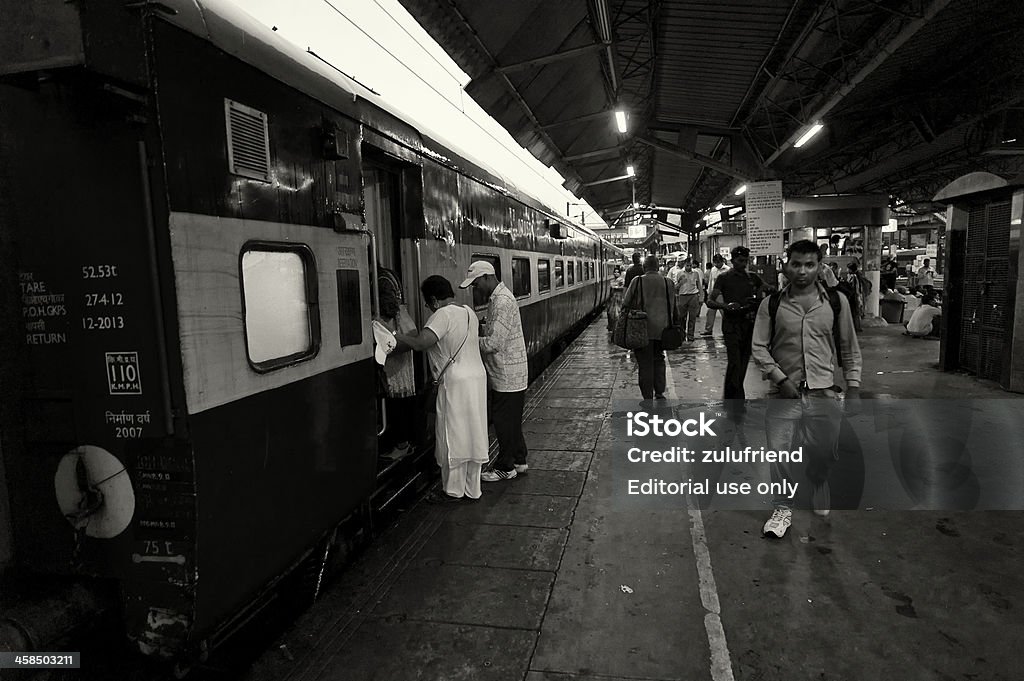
point(274, 471)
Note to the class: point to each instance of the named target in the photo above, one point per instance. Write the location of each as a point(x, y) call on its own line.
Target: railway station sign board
point(764, 218)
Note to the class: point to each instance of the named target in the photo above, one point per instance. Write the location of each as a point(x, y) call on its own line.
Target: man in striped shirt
point(503, 350)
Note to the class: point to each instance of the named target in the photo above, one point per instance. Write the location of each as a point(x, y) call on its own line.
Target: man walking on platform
point(926, 277)
point(737, 293)
point(635, 270)
point(689, 289)
point(713, 274)
point(504, 353)
point(801, 333)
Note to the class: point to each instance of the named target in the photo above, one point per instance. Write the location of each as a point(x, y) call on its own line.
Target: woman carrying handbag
point(651, 293)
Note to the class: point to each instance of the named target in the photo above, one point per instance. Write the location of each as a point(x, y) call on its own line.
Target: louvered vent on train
point(248, 141)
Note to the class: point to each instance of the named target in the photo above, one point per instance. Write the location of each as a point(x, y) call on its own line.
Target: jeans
point(650, 361)
point(687, 309)
point(739, 335)
point(507, 416)
point(811, 422)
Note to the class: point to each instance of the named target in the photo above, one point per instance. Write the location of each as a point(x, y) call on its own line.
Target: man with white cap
point(504, 353)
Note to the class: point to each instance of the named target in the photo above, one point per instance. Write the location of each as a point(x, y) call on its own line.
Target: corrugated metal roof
point(759, 65)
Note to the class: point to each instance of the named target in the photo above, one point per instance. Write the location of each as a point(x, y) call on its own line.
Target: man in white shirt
point(926, 276)
point(673, 272)
point(689, 284)
point(503, 350)
point(717, 269)
point(923, 322)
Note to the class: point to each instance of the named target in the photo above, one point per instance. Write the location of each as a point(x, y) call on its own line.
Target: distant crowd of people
point(798, 330)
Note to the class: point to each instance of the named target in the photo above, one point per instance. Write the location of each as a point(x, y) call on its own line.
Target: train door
point(402, 431)
point(984, 314)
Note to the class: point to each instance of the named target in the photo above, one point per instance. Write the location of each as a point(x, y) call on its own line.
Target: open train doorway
point(403, 436)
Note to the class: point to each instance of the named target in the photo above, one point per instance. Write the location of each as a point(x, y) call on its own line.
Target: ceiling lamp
point(810, 132)
point(630, 171)
point(741, 191)
point(620, 120)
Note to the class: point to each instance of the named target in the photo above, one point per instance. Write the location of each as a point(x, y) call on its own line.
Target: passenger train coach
point(191, 213)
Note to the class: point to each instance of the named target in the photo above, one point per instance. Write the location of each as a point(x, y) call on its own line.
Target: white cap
point(384, 341)
point(476, 270)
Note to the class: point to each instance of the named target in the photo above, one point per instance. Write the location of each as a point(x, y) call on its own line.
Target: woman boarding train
point(450, 339)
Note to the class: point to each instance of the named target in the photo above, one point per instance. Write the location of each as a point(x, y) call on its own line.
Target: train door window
point(559, 274)
point(279, 300)
point(570, 273)
point(543, 275)
point(521, 284)
point(579, 271)
point(479, 300)
point(381, 193)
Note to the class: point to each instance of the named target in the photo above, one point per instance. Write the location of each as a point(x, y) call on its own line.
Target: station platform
point(543, 580)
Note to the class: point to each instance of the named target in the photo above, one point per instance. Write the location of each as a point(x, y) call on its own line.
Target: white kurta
point(462, 396)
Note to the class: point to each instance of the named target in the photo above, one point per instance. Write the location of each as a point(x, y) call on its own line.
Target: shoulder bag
point(671, 337)
point(428, 397)
point(631, 327)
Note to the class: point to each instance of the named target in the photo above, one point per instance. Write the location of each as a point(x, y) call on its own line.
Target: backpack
point(833, 300)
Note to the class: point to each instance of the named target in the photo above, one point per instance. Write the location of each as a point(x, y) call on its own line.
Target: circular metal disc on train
point(94, 491)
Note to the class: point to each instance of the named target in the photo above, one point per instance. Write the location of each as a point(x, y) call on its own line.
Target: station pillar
point(872, 264)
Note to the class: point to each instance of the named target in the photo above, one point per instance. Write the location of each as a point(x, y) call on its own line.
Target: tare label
point(123, 373)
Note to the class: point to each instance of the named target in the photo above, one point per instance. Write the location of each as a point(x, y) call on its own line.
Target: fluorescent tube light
point(811, 132)
point(620, 120)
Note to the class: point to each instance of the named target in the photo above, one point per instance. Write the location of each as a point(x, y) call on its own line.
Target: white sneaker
point(780, 521)
point(522, 468)
point(495, 475)
point(821, 500)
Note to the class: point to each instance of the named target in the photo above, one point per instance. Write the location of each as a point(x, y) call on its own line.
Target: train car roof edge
point(231, 29)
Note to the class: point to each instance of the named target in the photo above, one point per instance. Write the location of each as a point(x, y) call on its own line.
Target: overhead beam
point(699, 158)
point(577, 119)
point(606, 181)
point(593, 154)
point(699, 128)
point(550, 58)
point(821, 110)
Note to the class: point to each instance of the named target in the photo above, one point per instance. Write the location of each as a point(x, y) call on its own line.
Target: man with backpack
point(800, 334)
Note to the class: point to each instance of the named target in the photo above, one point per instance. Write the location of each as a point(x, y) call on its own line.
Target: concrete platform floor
point(543, 580)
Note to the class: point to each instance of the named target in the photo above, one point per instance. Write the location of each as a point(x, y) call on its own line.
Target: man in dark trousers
point(799, 337)
point(503, 350)
point(635, 270)
point(737, 293)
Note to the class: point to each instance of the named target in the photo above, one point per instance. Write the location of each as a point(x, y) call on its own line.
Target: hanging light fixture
point(740, 191)
point(810, 132)
point(620, 121)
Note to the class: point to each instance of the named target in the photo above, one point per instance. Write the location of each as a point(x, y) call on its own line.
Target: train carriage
point(191, 215)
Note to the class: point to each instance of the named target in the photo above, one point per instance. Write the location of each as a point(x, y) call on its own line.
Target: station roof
point(912, 93)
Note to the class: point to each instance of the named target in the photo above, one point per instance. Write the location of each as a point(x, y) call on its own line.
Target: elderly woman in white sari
point(450, 340)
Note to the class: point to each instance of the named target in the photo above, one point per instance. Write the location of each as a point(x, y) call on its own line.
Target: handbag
point(399, 368)
point(631, 327)
point(671, 337)
point(428, 396)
